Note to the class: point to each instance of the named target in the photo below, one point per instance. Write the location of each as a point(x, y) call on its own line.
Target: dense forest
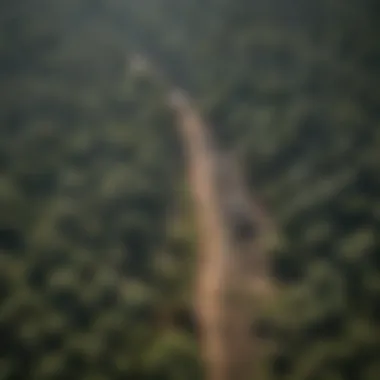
point(97, 239)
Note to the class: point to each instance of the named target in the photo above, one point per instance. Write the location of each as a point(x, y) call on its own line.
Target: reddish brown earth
point(228, 273)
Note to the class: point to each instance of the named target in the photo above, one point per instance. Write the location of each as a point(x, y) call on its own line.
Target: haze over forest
point(98, 242)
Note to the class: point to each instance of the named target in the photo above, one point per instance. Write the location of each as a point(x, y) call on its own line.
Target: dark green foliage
point(89, 162)
point(95, 242)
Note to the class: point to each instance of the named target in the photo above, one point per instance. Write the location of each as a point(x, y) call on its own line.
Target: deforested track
point(232, 267)
point(213, 247)
point(231, 264)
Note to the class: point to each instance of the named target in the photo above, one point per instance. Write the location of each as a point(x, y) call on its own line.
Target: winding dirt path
point(211, 270)
point(227, 271)
point(230, 272)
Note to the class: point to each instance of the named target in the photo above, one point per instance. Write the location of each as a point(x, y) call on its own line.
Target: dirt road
point(226, 268)
point(213, 248)
point(230, 271)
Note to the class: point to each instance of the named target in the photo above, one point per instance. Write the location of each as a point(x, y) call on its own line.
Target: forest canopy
point(96, 230)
